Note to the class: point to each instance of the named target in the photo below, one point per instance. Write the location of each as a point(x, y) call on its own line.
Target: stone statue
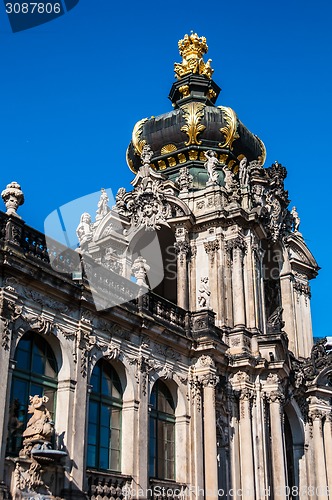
point(229, 182)
point(184, 180)
point(13, 197)
point(244, 173)
point(204, 293)
point(296, 219)
point(140, 269)
point(40, 427)
point(103, 207)
point(120, 205)
point(146, 155)
point(211, 165)
point(84, 229)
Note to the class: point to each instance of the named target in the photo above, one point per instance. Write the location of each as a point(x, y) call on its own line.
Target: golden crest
point(182, 158)
point(191, 49)
point(230, 130)
point(136, 138)
point(168, 148)
point(193, 112)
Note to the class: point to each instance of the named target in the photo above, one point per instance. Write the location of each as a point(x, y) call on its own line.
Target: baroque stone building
point(172, 354)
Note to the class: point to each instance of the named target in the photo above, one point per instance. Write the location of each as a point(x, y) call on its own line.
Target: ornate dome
point(182, 136)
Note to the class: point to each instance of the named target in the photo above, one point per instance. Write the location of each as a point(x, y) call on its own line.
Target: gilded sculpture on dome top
point(191, 48)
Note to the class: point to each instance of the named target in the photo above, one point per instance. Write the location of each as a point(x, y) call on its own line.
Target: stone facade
point(223, 340)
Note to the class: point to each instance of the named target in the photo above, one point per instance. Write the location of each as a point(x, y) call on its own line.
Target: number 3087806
point(33, 8)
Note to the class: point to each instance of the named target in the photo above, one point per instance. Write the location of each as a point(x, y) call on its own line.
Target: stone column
point(316, 415)
point(328, 449)
point(182, 249)
point(246, 446)
point(210, 436)
point(235, 447)
point(9, 311)
point(192, 278)
point(77, 415)
point(204, 376)
point(212, 247)
point(275, 399)
point(237, 247)
point(141, 482)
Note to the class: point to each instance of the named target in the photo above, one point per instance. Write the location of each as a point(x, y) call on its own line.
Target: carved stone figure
point(103, 207)
point(40, 427)
point(204, 293)
point(146, 155)
point(140, 269)
point(275, 322)
point(296, 219)
point(184, 180)
point(13, 197)
point(229, 182)
point(244, 173)
point(120, 205)
point(257, 191)
point(84, 229)
point(211, 165)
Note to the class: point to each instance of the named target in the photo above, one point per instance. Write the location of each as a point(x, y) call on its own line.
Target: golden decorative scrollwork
point(193, 113)
point(230, 130)
point(261, 158)
point(184, 90)
point(136, 138)
point(191, 49)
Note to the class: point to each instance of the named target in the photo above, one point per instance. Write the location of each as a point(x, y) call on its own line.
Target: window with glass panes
point(162, 433)
point(104, 426)
point(35, 373)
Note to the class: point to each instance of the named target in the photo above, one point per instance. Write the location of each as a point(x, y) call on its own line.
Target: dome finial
point(191, 48)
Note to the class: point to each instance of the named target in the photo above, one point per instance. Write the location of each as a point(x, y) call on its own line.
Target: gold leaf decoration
point(161, 164)
point(193, 113)
point(191, 48)
point(182, 158)
point(230, 130)
point(171, 161)
point(168, 148)
point(136, 138)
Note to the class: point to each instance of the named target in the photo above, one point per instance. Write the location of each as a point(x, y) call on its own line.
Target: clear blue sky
point(72, 89)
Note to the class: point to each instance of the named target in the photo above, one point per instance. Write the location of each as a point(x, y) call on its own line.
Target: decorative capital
point(275, 397)
point(236, 243)
point(13, 197)
point(182, 247)
point(211, 246)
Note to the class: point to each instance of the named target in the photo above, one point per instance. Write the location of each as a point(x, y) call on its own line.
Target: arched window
point(162, 433)
point(104, 426)
point(36, 372)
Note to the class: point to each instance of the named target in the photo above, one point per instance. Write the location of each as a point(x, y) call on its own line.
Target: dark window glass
point(104, 427)
point(35, 374)
point(162, 433)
